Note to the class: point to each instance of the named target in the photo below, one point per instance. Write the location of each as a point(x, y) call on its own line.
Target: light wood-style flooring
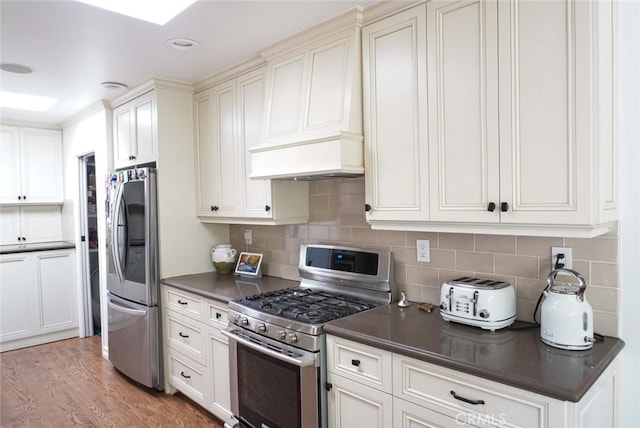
point(69, 384)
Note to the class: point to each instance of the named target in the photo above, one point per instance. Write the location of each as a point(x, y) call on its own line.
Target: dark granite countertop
point(225, 288)
point(40, 246)
point(515, 357)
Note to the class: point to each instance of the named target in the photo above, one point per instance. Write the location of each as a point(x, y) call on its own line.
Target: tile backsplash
point(337, 217)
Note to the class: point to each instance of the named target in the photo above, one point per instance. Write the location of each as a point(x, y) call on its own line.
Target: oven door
point(273, 385)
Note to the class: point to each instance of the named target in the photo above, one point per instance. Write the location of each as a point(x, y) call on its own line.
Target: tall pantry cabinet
point(519, 118)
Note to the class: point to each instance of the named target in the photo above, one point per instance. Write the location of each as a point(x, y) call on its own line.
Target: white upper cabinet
point(228, 121)
point(135, 132)
point(395, 106)
point(313, 106)
point(30, 166)
point(520, 120)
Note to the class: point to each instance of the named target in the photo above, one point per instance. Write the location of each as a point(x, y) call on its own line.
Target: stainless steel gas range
point(276, 341)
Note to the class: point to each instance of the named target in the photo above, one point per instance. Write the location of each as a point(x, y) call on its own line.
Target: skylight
point(157, 12)
point(25, 102)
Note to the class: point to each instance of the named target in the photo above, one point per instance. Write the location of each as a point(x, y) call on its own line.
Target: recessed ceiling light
point(182, 44)
point(15, 68)
point(25, 102)
point(157, 12)
point(113, 85)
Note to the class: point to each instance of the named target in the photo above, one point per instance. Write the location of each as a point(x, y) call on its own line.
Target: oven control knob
point(282, 334)
point(261, 328)
point(236, 319)
point(244, 321)
point(292, 338)
point(484, 313)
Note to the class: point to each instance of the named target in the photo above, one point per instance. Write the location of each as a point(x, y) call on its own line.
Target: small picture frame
point(249, 265)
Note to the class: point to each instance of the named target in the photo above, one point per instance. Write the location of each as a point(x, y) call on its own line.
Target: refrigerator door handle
point(115, 242)
point(129, 311)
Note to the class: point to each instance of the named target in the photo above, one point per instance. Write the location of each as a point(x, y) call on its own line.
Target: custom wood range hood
point(313, 111)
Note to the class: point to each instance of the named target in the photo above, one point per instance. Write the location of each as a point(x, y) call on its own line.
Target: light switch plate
point(248, 237)
point(423, 250)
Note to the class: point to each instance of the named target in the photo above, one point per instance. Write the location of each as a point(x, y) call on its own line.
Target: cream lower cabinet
point(38, 298)
point(518, 135)
point(196, 352)
point(391, 390)
point(228, 120)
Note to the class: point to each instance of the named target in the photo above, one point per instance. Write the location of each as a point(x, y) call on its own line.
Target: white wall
point(87, 132)
point(628, 68)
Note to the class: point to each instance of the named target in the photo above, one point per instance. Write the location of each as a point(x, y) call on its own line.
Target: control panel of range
point(275, 331)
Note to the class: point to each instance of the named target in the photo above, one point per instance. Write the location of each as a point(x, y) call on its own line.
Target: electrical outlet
point(248, 237)
point(422, 250)
point(567, 260)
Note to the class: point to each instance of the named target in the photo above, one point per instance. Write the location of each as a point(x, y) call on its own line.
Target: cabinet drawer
point(188, 376)
point(409, 415)
point(438, 388)
point(186, 336)
point(361, 363)
point(183, 302)
point(217, 314)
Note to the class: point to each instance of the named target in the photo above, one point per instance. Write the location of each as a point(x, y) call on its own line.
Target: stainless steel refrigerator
point(134, 325)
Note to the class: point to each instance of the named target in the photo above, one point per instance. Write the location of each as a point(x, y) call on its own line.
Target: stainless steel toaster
point(486, 303)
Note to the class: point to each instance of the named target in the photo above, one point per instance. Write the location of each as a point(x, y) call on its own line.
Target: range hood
point(313, 105)
point(318, 159)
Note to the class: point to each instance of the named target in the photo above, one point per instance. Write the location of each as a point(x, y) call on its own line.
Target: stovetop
point(305, 305)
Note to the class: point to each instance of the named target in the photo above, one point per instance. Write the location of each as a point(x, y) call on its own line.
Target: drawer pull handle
point(466, 400)
point(185, 376)
point(355, 363)
point(218, 315)
point(183, 335)
point(180, 302)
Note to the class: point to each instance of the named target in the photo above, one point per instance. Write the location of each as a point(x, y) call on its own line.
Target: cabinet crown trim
point(150, 85)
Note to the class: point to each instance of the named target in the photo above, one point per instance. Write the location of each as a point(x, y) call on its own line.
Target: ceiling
point(73, 47)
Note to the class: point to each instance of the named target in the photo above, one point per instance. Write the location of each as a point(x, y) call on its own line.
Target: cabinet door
point(10, 187)
point(205, 169)
point(220, 399)
point(144, 149)
point(56, 288)
point(16, 296)
point(409, 415)
point(353, 405)
point(395, 112)
point(10, 232)
point(463, 106)
point(224, 149)
point(122, 135)
point(41, 224)
point(41, 166)
point(544, 69)
point(255, 194)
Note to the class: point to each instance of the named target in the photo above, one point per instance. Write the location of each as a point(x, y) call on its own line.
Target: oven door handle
point(302, 362)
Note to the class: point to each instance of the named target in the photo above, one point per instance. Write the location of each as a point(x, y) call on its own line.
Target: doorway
point(89, 240)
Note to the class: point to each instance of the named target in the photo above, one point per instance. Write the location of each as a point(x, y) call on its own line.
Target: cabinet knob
point(214, 208)
point(24, 239)
point(24, 197)
point(491, 207)
point(504, 207)
point(19, 197)
point(218, 315)
point(367, 207)
point(267, 208)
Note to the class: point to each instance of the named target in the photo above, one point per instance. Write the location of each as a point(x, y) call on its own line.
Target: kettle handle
point(581, 280)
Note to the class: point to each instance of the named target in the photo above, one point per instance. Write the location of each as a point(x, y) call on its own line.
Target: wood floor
point(68, 383)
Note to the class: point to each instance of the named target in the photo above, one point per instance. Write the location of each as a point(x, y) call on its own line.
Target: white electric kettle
point(566, 318)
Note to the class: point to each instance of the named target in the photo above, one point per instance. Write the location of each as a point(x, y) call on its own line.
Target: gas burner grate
point(305, 305)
